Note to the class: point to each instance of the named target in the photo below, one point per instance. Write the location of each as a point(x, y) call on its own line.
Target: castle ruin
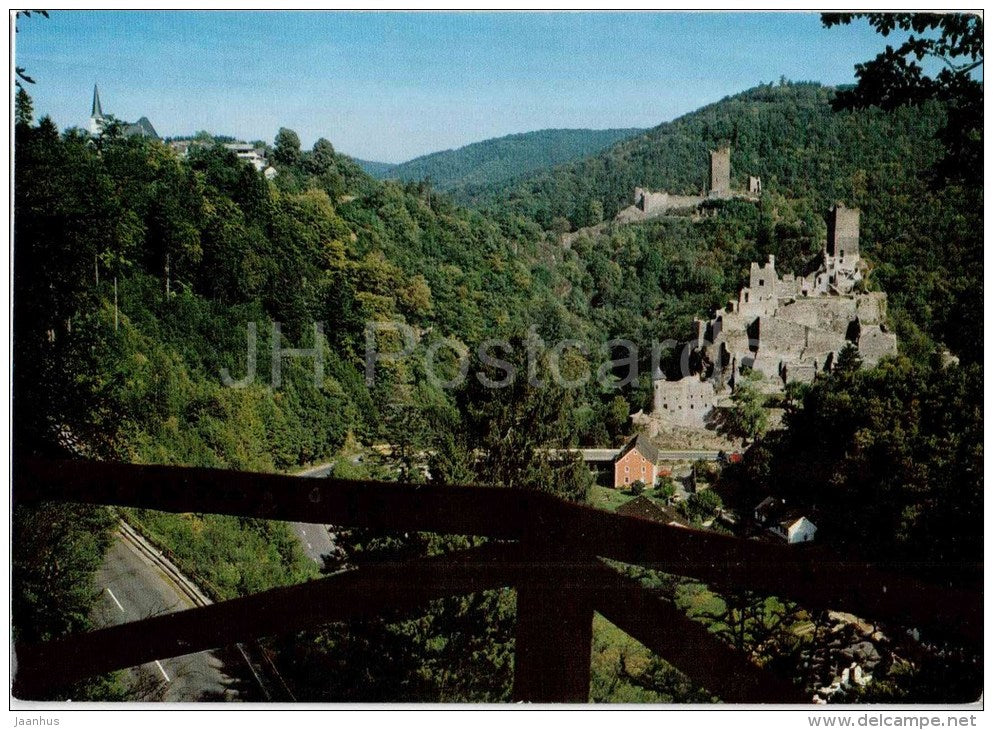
point(651, 204)
point(787, 328)
point(687, 402)
point(647, 201)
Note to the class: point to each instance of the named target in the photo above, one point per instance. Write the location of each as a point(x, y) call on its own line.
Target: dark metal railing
point(548, 549)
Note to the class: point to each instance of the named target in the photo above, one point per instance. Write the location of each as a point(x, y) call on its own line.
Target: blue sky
point(392, 86)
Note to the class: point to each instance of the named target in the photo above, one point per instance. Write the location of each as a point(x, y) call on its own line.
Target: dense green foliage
point(460, 648)
point(923, 237)
point(749, 416)
point(140, 278)
point(227, 556)
point(498, 161)
point(56, 551)
point(890, 463)
point(378, 170)
point(893, 460)
point(899, 77)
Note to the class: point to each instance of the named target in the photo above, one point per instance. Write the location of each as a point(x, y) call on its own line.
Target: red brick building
point(638, 460)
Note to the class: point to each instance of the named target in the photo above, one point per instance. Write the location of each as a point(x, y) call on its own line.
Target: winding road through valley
point(136, 583)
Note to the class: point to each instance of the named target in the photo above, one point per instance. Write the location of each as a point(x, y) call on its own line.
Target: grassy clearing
point(609, 499)
point(611, 646)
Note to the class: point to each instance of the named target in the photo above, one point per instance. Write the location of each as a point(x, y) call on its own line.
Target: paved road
point(688, 455)
point(610, 454)
point(314, 539)
point(588, 455)
point(133, 588)
point(317, 542)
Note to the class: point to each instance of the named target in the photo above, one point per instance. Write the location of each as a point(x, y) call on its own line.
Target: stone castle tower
point(720, 172)
point(843, 234)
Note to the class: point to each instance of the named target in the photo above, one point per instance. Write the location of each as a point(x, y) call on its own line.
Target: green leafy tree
point(898, 77)
point(322, 157)
point(904, 440)
point(515, 425)
point(748, 417)
point(849, 361)
point(287, 147)
point(703, 505)
point(617, 416)
point(666, 489)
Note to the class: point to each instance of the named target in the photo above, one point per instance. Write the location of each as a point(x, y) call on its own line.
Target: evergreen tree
point(23, 108)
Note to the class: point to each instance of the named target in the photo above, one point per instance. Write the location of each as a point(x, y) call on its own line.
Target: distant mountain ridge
point(787, 134)
point(503, 159)
point(378, 170)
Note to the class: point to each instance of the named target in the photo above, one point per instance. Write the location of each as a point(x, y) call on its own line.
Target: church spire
point(97, 112)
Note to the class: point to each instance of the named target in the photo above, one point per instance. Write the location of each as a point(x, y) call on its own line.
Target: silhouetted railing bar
point(686, 644)
point(554, 639)
point(803, 573)
point(807, 574)
point(375, 590)
point(555, 569)
point(490, 511)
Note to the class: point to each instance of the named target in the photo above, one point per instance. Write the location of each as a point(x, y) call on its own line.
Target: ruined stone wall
point(870, 308)
point(686, 402)
point(766, 362)
point(684, 201)
point(789, 286)
point(750, 308)
point(651, 204)
point(800, 372)
point(763, 280)
point(781, 337)
point(738, 341)
point(875, 343)
point(825, 312)
point(822, 342)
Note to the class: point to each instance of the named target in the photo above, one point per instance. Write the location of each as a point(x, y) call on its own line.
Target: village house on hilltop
point(99, 121)
point(244, 151)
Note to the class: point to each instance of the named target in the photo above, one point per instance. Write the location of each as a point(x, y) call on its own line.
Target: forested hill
point(786, 133)
point(497, 161)
point(326, 243)
point(922, 234)
point(142, 281)
point(379, 170)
